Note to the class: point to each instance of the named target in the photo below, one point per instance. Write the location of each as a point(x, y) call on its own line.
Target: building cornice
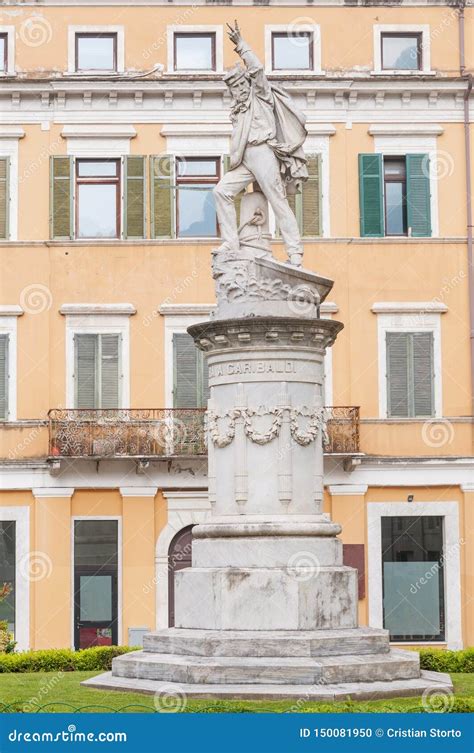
point(127, 309)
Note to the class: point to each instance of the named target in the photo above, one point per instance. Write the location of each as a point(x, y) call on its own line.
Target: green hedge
point(94, 659)
point(437, 660)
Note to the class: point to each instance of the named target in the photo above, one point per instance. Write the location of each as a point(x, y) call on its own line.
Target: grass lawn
point(61, 692)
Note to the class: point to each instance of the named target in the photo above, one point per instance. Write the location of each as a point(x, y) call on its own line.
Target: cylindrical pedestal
point(255, 562)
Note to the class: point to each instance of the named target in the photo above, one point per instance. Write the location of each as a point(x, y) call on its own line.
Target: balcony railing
point(163, 432)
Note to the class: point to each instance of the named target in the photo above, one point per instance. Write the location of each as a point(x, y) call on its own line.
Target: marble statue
point(266, 149)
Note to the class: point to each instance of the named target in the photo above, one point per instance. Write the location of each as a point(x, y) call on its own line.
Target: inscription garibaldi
point(266, 147)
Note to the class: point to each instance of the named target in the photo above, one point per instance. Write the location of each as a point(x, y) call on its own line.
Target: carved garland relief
point(303, 436)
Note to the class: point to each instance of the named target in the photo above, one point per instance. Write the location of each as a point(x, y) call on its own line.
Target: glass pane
point(194, 53)
point(95, 53)
point(95, 598)
point(291, 52)
point(97, 211)
point(189, 168)
point(91, 636)
point(196, 212)
point(3, 48)
point(411, 598)
point(394, 208)
point(413, 577)
point(7, 572)
point(95, 543)
point(104, 169)
point(394, 167)
point(400, 53)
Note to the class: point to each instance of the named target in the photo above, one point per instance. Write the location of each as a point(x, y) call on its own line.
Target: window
point(413, 578)
point(95, 583)
point(401, 52)
point(292, 51)
point(98, 198)
point(3, 53)
point(4, 366)
point(4, 197)
point(194, 52)
point(96, 52)
point(195, 208)
point(7, 572)
point(395, 189)
point(410, 374)
point(395, 196)
point(97, 378)
point(190, 373)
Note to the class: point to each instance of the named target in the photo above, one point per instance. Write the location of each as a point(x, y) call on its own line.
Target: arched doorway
point(179, 557)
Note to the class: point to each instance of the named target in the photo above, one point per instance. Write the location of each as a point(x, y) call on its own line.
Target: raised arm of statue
point(252, 63)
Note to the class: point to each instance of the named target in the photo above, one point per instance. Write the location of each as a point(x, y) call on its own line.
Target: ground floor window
point(413, 577)
point(95, 583)
point(7, 572)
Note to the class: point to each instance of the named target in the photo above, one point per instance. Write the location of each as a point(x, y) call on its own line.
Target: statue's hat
point(231, 75)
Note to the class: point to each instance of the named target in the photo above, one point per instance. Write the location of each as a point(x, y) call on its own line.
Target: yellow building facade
point(114, 127)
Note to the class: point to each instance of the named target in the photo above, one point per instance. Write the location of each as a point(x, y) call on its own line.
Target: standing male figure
point(266, 146)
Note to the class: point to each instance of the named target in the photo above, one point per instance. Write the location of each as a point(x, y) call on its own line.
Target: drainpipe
point(467, 149)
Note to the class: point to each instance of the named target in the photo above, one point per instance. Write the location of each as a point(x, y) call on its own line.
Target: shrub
point(96, 659)
point(437, 660)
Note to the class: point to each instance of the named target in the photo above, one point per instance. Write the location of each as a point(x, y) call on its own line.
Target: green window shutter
point(61, 197)
point(397, 374)
point(423, 375)
point(310, 199)
point(418, 195)
point(109, 371)
point(3, 377)
point(4, 197)
point(85, 371)
point(410, 375)
point(371, 195)
point(190, 373)
point(162, 196)
point(238, 198)
point(134, 197)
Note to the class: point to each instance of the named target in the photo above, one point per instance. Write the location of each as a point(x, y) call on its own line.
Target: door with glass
point(413, 578)
point(95, 583)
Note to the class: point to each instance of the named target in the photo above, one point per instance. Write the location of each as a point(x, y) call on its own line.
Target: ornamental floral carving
point(313, 420)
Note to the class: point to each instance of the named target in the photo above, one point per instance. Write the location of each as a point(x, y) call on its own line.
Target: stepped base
point(363, 691)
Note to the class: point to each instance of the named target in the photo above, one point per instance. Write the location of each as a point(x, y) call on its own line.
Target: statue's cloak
point(290, 134)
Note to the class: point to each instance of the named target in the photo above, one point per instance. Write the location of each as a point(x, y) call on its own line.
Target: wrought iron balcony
point(163, 432)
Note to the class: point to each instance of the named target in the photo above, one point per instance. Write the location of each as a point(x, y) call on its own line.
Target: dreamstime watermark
point(36, 298)
point(35, 566)
point(170, 699)
point(46, 686)
point(437, 432)
point(162, 41)
point(21, 446)
point(35, 31)
point(174, 296)
point(437, 165)
point(436, 567)
point(303, 566)
point(42, 157)
point(176, 558)
point(437, 700)
point(300, 30)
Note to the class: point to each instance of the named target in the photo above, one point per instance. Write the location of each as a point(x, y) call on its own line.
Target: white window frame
point(177, 323)
point(418, 319)
point(195, 29)
point(10, 136)
point(21, 516)
point(118, 518)
point(400, 140)
point(106, 29)
point(452, 569)
point(10, 32)
point(423, 29)
point(99, 324)
point(8, 326)
point(327, 310)
point(311, 28)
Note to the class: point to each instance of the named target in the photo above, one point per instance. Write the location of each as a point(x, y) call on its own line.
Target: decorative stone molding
point(68, 309)
point(316, 424)
point(11, 310)
point(407, 307)
point(53, 491)
point(138, 491)
point(254, 333)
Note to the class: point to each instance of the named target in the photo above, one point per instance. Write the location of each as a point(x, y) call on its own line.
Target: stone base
point(363, 691)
